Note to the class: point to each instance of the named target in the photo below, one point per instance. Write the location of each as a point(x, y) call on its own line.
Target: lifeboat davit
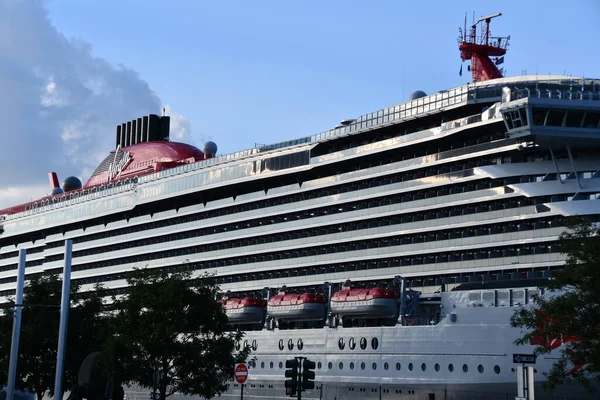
point(245, 310)
point(365, 303)
point(297, 307)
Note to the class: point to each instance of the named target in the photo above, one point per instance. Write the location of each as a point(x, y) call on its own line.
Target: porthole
point(352, 343)
point(280, 344)
point(351, 365)
point(341, 365)
point(386, 366)
point(319, 365)
point(271, 365)
point(450, 367)
point(436, 367)
point(512, 370)
point(329, 365)
point(362, 365)
point(398, 366)
point(280, 364)
point(374, 343)
point(363, 343)
point(262, 364)
point(374, 366)
point(254, 345)
point(300, 344)
point(341, 343)
point(465, 368)
point(423, 367)
point(480, 369)
point(496, 369)
point(291, 344)
point(410, 366)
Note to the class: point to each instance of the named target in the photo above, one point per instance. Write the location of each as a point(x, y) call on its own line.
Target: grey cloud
point(59, 104)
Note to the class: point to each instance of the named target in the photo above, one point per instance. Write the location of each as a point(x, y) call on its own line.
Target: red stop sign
point(241, 373)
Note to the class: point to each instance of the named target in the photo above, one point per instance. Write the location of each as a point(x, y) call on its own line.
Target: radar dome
point(210, 148)
point(417, 94)
point(57, 191)
point(71, 183)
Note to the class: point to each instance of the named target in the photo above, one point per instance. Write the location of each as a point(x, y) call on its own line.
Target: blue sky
point(266, 71)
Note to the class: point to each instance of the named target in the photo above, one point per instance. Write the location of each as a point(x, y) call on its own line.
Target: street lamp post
point(14, 345)
point(64, 317)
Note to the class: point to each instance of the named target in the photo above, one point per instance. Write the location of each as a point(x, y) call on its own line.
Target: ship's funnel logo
point(116, 167)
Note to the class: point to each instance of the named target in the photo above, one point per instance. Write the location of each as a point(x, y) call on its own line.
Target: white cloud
point(59, 103)
point(180, 126)
point(17, 194)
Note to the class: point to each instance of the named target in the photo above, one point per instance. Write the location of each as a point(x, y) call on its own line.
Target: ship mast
point(480, 50)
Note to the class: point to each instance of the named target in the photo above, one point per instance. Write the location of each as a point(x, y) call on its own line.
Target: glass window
point(351, 365)
point(398, 366)
point(341, 365)
point(555, 117)
point(374, 366)
point(465, 368)
point(386, 366)
point(329, 365)
point(450, 367)
point(410, 366)
point(436, 367)
point(362, 365)
point(423, 367)
point(480, 368)
point(374, 343)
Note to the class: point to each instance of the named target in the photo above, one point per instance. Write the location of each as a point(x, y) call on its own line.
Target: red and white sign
point(240, 373)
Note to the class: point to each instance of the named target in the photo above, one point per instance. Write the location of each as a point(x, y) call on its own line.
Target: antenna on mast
point(479, 50)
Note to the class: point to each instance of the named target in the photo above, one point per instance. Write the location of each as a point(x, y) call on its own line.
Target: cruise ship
point(391, 249)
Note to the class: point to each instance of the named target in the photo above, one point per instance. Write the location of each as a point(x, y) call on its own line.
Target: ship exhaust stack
point(149, 128)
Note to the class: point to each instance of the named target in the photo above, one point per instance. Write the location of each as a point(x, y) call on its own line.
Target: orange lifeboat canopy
point(365, 303)
point(297, 307)
point(244, 310)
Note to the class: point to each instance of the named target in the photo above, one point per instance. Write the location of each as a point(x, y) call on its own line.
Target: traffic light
point(291, 372)
point(308, 374)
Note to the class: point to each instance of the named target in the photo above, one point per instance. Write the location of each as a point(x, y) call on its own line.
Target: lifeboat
point(297, 307)
point(365, 303)
point(245, 310)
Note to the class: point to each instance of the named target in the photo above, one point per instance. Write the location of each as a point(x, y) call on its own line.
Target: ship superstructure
point(353, 245)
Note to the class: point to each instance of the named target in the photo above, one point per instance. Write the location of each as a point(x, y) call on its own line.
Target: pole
point(299, 377)
point(64, 317)
point(242, 393)
point(14, 345)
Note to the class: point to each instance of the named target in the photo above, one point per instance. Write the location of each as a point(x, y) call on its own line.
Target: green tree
point(570, 316)
point(171, 325)
point(36, 366)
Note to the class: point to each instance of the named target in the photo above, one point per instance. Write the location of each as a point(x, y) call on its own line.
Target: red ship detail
point(479, 50)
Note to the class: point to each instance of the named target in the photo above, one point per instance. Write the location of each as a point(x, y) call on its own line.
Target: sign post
point(525, 380)
point(240, 374)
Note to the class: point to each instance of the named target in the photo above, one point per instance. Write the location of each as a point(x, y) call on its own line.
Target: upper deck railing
point(489, 91)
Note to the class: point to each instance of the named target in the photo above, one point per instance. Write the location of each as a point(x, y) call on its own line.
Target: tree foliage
point(171, 324)
point(86, 331)
point(569, 319)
